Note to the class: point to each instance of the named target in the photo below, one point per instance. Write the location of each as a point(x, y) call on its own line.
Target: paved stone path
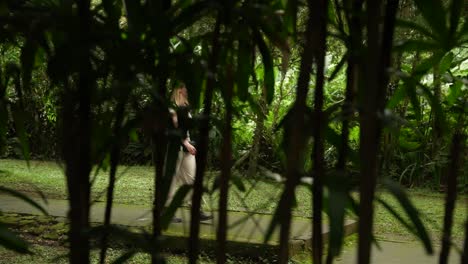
point(243, 227)
point(394, 252)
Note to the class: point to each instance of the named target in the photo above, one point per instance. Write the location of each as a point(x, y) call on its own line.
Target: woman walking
point(186, 164)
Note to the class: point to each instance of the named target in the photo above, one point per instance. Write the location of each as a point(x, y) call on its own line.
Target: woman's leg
point(187, 172)
point(175, 182)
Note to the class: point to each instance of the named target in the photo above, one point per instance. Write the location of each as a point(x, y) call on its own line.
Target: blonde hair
point(177, 98)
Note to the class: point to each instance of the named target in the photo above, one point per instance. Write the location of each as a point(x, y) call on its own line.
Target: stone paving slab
point(393, 252)
point(244, 227)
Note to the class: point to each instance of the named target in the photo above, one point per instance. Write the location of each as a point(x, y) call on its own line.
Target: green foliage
point(131, 50)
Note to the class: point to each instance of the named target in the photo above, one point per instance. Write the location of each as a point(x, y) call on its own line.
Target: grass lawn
point(54, 254)
point(135, 183)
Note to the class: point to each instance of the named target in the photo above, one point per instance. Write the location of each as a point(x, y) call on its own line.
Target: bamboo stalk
point(456, 155)
point(226, 157)
point(202, 151)
point(320, 33)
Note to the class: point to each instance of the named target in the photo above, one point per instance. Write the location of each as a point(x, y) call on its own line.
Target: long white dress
point(184, 173)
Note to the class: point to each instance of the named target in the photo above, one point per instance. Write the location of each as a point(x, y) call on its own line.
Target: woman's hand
point(191, 149)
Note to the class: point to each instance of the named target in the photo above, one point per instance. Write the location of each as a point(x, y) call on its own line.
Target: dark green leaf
point(463, 35)
point(433, 13)
point(19, 118)
point(338, 201)
point(436, 106)
point(396, 215)
point(290, 17)
point(124, 257)
point(244, 67)
point(398, 192)
point(3, 122)
point(446, 62)
point(410, 89)
point(338, 67)
point(11, 241)
point(237, 181)
point(4, 8)
point(171, 161)
point(456, 7)
point(334, 138)
point(28, 55)
point(397, 97)
point(424, 66)
point(455, 91)
point(269, 76)
point(24, 198)
point(133, 10)
point(415, 45)
point(191, 14)
point(273, 224)
point(113, 10)
point(175, 203)
point(139, 241)
point(415, 26)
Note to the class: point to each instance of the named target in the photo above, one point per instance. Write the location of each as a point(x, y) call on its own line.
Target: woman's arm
point(173, 114)
point(191, 149)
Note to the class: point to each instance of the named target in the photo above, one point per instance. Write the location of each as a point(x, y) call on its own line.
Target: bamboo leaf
point(237, 181)
point(189, 15)
point(338, 67)
point(124, 257)
point(446, 62)
point(414, 45)
point(424, 66)
point(456, 7)
point(415, 26)
point(28, 55)
point(290, 18)
point(334, 138)
point(175, 203)
point(139, 241)
point(3, 122)
point(273, 224)
point(244, 66)
point(10, 241)
point(269, 75)
point(396, 215)
point(133, 10)
point(113, 9)
point(436, 106)
point(23, 197)
point(338, 201)
point(397, 97)
point(434, 15)
point(19, 118)
point(410, 89)
point(463, 35)
point(171, 159)
point(398, 192)
point(454, 93)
